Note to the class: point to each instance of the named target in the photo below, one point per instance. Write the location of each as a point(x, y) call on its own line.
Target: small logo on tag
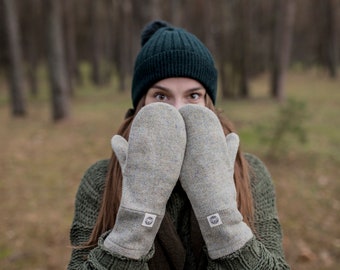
point(149, 220)
point(214, 220)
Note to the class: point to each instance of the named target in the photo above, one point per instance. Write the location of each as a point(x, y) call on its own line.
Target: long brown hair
point(113, 186)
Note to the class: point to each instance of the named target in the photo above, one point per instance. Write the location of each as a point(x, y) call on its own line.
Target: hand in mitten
point(151, 161)
point(207, 178)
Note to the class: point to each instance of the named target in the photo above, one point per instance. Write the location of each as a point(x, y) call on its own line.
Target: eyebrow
point(167, 89)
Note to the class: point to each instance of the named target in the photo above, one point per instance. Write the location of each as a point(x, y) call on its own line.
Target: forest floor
point(41, 164)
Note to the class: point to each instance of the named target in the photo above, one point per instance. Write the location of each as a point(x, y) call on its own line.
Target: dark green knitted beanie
point(167, 52)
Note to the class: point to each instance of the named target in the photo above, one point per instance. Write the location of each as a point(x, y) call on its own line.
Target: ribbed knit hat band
point(171, 52)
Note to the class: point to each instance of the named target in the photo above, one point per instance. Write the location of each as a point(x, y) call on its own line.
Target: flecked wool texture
point(207, 176)
point(151, 162)
point(169, 51)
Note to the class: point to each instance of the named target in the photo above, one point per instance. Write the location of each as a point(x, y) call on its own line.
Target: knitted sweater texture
point(262, 252)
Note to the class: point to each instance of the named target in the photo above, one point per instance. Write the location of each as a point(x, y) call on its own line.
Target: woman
point(176, 193)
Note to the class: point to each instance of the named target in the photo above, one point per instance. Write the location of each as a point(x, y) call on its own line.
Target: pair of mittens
point(166, 145)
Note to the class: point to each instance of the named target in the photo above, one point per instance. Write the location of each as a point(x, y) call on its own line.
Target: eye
point(195, 96)
point(160, 96)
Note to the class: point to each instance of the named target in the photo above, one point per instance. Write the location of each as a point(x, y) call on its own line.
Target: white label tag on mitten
point(149, 220)
point(214, 220)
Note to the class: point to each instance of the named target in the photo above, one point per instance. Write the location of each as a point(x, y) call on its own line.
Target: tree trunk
point(70, 44)
point(32, 40)
point(244, 50)
point(176, 12)
point(125, 45)
point(282, 39)
point(221, 43)
point(56, 62)
point(155, 9)
point(331, 39)
point(96, 40)
point(16, 76)
point(108, 41)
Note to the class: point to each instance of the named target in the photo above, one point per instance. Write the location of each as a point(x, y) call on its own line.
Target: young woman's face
point(176, 92)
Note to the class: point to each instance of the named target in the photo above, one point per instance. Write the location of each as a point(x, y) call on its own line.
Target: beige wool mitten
point(207, 178)
point(151, 161)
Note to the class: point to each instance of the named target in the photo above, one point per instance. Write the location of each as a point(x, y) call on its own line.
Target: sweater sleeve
point(87, 205)
point(264, 250)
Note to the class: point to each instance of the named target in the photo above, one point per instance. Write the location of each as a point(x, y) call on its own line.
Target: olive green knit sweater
point(262, 252)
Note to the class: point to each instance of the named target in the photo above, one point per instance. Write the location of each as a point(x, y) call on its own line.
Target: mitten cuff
point(224, 232)
point(133, 233)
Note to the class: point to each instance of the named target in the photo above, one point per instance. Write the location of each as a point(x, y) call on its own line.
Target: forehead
point(179, 82)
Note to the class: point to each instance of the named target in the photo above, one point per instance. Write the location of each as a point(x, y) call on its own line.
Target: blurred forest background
point(65, 72)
